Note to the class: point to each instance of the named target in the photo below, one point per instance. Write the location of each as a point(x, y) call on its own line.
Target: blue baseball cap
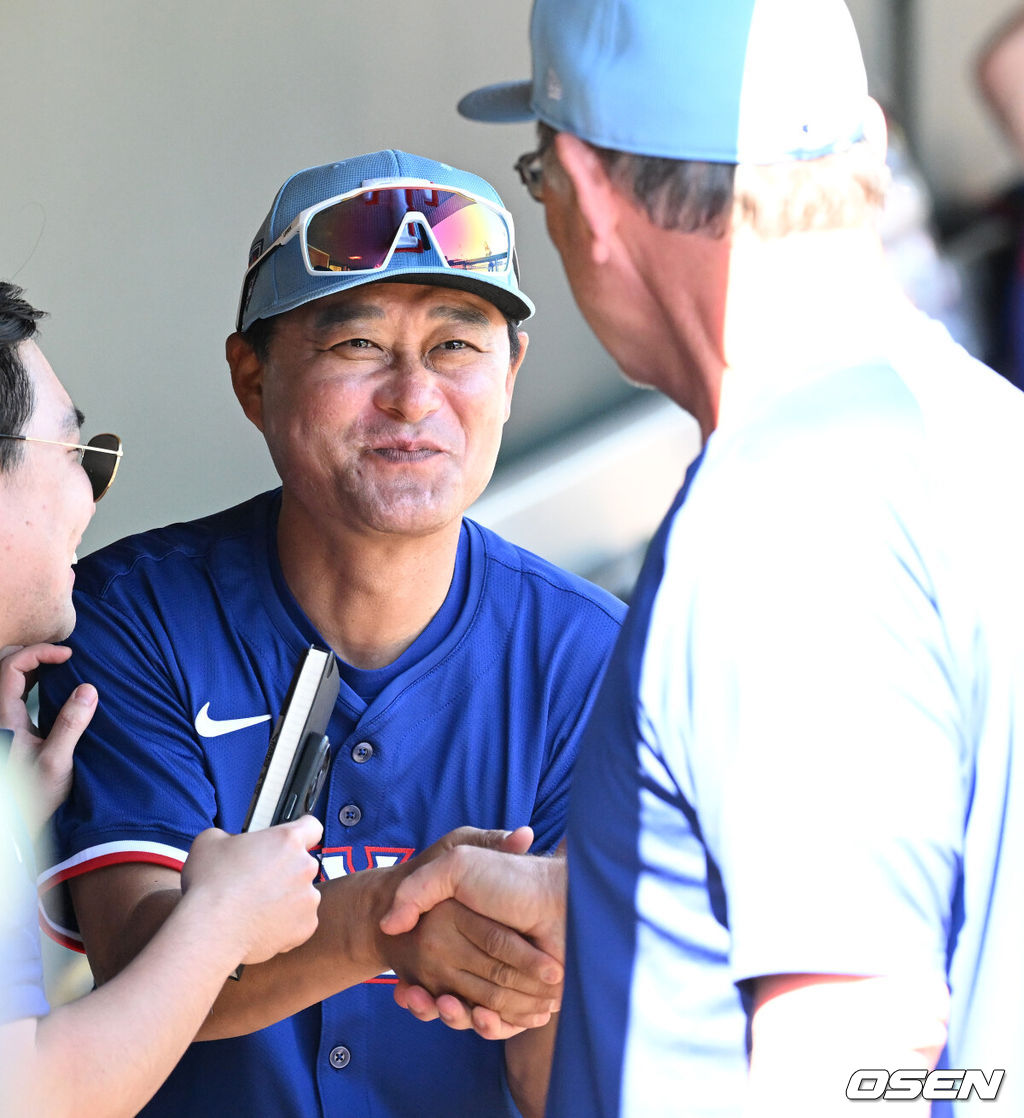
point(282, 283)
point(721, 81)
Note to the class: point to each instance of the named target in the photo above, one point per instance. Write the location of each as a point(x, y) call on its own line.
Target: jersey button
point(362, 752)
point(340, 1057)
point(350, 815)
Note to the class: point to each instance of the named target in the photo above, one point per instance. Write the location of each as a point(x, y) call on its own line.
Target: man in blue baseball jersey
point(795, 835)
point(377, 349)
point(248, 897)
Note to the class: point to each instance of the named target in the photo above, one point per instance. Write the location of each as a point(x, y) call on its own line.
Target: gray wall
point(143, 142)
point(144, 139)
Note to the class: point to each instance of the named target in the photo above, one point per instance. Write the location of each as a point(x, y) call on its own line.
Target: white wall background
point(143, 141)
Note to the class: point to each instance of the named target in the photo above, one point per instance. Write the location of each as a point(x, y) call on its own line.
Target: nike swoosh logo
point(207, 727)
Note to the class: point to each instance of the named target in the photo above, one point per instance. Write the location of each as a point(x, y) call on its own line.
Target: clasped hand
point(479, 934)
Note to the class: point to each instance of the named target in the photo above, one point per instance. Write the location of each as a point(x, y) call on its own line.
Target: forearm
point(121, 907)
point(342, 952)
point(107, 1053)
point(810, 1033)
point(528, 1067)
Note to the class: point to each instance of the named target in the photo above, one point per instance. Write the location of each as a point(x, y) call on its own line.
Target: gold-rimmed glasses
point(99, 457)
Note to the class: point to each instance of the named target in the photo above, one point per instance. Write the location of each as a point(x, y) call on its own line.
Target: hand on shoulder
point(41, 765)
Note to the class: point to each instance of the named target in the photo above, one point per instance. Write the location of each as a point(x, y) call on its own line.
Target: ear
point(513, 370)
point(246, 376)
point(596, 199)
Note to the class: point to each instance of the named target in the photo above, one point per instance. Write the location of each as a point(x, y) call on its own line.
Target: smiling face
point(45, 505)
point(382, 406)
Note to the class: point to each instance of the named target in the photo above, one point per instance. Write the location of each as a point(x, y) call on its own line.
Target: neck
point(750, 306)
point(664, 328)
point(369, 594)
point(797, 300)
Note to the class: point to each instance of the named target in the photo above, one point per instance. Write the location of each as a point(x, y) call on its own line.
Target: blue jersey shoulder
point(545, 575)
point(186, 540)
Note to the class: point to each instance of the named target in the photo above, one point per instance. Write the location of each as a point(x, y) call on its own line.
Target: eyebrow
point(73, 421)
point(467, 316)
point(341, 314)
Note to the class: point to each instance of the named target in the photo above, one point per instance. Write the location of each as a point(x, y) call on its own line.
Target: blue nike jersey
point(191, 636)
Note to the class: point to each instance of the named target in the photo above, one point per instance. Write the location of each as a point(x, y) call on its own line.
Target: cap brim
point(516, 307)
point(505, 103)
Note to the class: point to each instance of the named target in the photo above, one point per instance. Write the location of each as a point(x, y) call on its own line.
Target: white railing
point(591, 501)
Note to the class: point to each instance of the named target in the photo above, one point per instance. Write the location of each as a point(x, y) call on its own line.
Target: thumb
point(50, 759)
point(439, 871)
point(69, 725)
point(518, 841)
point(511, 842)
point(424, 888)
point(309, 829)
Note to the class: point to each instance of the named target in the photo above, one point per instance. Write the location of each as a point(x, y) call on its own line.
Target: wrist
point(365, 896)
point(552, 888)
point(201, 924)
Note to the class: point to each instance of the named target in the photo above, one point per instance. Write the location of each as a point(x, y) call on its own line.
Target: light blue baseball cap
point(721, 81)
point(281, 282)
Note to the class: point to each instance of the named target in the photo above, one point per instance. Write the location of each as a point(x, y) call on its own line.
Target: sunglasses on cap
point(363, 230)
point(99, 457)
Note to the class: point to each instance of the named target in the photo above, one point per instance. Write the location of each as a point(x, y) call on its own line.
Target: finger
point(22, 659)
point(308, 828)
point(454, 1012)
point(71, 721)
point(512, 961)
point(446, 959)
point(518, 841)
point(420, 1004)
point(489, 839)
point(477, 978)
point(516, 1009)
point(17, 663)
point(489, 1025)
point(204, 840)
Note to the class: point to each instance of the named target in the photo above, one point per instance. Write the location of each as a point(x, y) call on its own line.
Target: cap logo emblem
point(553, 85)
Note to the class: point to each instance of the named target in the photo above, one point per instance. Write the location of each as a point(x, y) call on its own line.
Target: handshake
point(502, 912)
point(473, 926)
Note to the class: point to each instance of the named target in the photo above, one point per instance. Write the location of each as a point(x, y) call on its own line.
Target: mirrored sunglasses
point(99, 457)
point(363, 230)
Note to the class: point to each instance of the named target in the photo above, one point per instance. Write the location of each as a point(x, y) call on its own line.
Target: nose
point(409, 392)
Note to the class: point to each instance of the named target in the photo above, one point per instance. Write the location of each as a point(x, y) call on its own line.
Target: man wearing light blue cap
point(377, 347)
point(795, 839)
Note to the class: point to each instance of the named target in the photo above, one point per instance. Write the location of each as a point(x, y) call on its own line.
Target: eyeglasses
point(531, 170)
point(99, 457)
point(364, 229)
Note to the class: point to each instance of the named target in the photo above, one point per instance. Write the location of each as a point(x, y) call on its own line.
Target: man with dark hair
point(246, 898)
point(795, 824)
point(377, 347)
point(17, 324)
